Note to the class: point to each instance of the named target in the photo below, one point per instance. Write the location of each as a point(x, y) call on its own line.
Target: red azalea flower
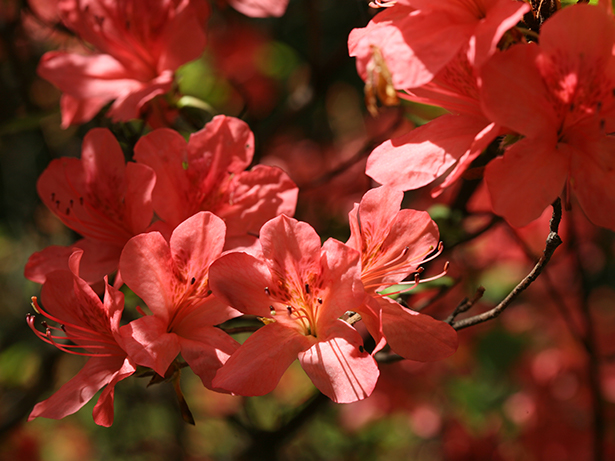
point(418, 38)
point(422, 155)
point(93, 327)
point(393, 243)
point(207, 173)
point(300, 290)
point(99, 196)
point(139, 44)
point(172, 278)
point(559, 96)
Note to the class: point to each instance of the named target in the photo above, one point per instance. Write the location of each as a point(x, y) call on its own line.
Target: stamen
point(267, 292)
point(319, 300)
point(192, 282)
point(416, 281)
point(89, 340)
point(398, 265)
point(307, 288)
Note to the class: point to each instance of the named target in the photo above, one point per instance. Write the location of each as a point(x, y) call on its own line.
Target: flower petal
point(196, 243)
point(513, 87)
point(425, 153)
point(239, 280)
point(206, 350)
point(258, 365)
point(147, 268)
point(527, 179)
point(95, 374)
point(147, 343)
point(291, 248)
point(339, 367)
point(416, 336)
point(256, 197)
point(103, 410)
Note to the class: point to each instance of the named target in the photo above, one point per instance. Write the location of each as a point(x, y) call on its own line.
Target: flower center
point(296, 308)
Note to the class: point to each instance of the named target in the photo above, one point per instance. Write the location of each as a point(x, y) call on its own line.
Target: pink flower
point(99, 196)
point(139, 44)
point(432, 51)
point(393, 243)
point(93, 327)
point(422, 155)
point(207, 173)
point(173, 280)
point(559, 96)
point(418, 38)
point(300, 290)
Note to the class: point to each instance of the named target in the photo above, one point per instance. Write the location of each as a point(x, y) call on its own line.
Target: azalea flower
point(93, 327)
point(418, 38)
point(207, 174)
point(137, 44)
point(559, 96)
point(300, 290)
point(393, 243)
point(432, 51)
point(172, 278)
point(100, 197)
point(428, 152)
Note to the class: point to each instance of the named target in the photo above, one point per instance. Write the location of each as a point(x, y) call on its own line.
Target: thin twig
point(465, 305)
point(553, 241)
point(558, 300)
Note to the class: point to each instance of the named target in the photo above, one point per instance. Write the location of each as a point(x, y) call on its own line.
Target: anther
point(267, 292)
point(307, 288)
point(361, 349)
point(289, 309)
point(192, 282)
point(319, 300)
point(80, 200)
point(68, 211)
point(57, 204)
point(53, 196)
point(70, 203)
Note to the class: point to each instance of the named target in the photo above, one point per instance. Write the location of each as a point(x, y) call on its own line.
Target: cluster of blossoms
point(201, 264)
point(202, 240)
point(133, 50)
point(545, 96)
